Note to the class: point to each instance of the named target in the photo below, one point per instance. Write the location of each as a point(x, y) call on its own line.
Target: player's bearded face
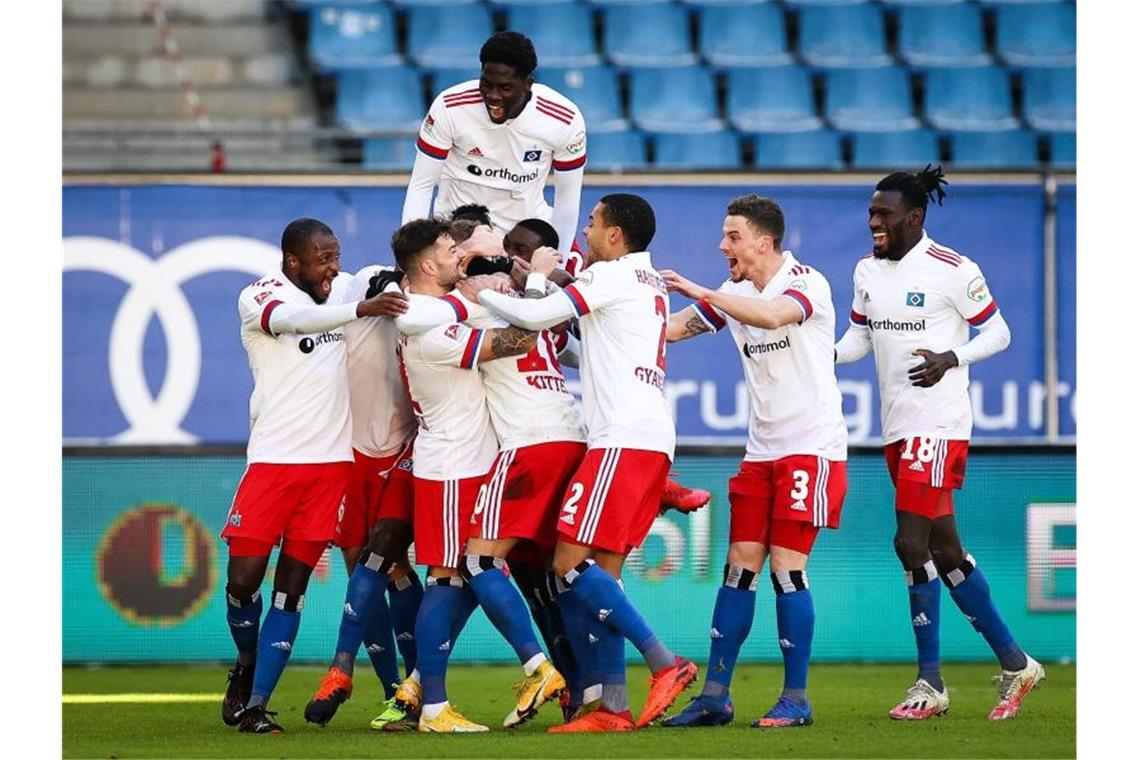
point(318, 266)
point(446, 257)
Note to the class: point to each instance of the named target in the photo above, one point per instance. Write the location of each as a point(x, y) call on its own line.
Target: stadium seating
point(942, 35)
point(389, 154)
point(1039, 34)
point(447, 40)
point(809, 3)
point(654, 34)
point(799, 150)
point(594, 89)
point(845, 36)
point(918, 3)
point(711, 150)
point(442, 78)
point(680, 99)
point(1051, 99)
point(861, 100)
point(380, 99)
point(611, 151)
point(354, 36)
point(744, 35)
point(1007, 149)
point(969, 99)
point(777, 99)
point(563, 32)
point(877, 150)
point(1064, 150)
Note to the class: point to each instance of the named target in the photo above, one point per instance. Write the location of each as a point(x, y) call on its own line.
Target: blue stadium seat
point(711, 150)
point(880, 150)
point(508, 3)
point(390, 154)
point(809, 3)
point(605, 3)
point(352, 36)
point(918, 3)
point(999, 3)
point(942, 35)
point(1041, 34)
point(711, 3)
point(1064, 149)
point(442, 78)
point(448, 39)
point(594, 89)
point(614, 151)
point(563, 33)
point(1007, 149)
point(1051, 99)
point(744, 35)
point(390, 98)
point(969, 99)
point(799, 150)
point(681, 99)
point(862, 100)
point(647, 35)
point(777, 99)
point(847, 36)
point(430, 3)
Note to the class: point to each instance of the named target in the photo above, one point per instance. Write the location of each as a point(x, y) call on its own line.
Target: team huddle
point(425, 404)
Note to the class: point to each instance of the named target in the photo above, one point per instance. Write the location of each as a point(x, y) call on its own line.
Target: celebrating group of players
point(427, 403)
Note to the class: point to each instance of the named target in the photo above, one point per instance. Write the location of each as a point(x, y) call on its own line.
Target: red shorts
point(303, 502)
point(399, 497)
point(803, 489)
point(613, 498)
point(523, 492)
point(443, 519)
point(366, 486)
point(925, 472)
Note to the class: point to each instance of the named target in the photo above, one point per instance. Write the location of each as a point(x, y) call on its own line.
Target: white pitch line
point(107, 699)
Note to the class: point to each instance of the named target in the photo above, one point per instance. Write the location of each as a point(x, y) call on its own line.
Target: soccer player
point(622, 307)
point(454, 450)
point(914, 304)
point(494, 141)
point(794, 474)
point(299, 454)
point(378, 504)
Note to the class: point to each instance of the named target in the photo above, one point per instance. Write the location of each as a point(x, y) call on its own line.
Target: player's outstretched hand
point(519, 270)
point(544, 260)
point(933, 367)
point(679, 284)
point(391, 304)
point(470, 287)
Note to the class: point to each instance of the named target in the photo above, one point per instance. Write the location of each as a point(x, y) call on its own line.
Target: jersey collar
point(920, 247)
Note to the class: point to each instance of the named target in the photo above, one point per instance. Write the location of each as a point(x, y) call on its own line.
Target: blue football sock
point(574, 618)
point(244, 617)
point(405, 595)
point(971, 592)
point(434, 640)
point(365, 589)
point(795, 624)
point(380, 644)
point(503, 604)
point(609, 653)
point(731, 623)
point(465, 606)
point(602, 595)
point(560, 651)
point(925, 592)
point(275, 644)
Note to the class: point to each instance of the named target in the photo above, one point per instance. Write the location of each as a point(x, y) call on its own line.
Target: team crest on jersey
point(452, 332)
point(405, 465)
point(429, 124)
point(532, 156)
point(235, 519)
point(977, 290)
point(915, 299)
point(475, 152)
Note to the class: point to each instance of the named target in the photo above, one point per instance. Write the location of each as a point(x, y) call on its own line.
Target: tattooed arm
point(685, 324)
point(506, 341)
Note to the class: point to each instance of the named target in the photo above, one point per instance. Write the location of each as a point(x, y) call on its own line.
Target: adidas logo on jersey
point(917, 466)
point(785, 644)
point(475, 152)
point(445, 646)
point(284, 646)
point(920, 620)
point(715, 634)
point(799, 506)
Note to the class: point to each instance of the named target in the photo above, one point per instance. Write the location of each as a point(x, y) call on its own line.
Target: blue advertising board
point(151, 353)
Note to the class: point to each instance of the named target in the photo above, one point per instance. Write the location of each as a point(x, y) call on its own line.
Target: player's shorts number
point(925, 451)
point(799, 485)
point(571, 507)
point(480, 502)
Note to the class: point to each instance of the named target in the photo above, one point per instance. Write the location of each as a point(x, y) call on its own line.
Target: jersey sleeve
point(435, 137)
point(711, 315)
point(596, 288)
point(570, 154)
point(256, 305)
point(858, 305)
point(453, 345)
point(971, 297)
point(809, 290)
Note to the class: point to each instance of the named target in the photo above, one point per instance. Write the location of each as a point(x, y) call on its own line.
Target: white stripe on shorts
point(598, 495)
point(823, 473)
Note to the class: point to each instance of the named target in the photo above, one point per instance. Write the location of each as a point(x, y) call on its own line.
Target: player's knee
point(746, 554)
point(947, 557)
point(911, 551)
point(391, 538)
point(292, 576)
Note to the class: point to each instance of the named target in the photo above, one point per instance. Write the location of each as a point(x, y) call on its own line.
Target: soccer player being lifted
point(914, 304)
point(299, 453)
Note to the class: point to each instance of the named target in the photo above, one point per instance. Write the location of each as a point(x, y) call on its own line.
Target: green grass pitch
point(850, 704)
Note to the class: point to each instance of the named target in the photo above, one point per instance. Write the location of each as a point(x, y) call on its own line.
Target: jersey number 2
point(663, 312)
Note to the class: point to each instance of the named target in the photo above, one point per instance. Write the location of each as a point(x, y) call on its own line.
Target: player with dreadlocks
point(915, 301)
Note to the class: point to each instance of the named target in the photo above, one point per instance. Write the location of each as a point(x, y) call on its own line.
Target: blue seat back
point(390, 98)
point(799, 150)
point(563, 33)
point(843, 36)
point(448, 39)
point(776, 99)
point(744, 35)
point(616, 150)
point(1051, 99)
point(1038, 34)
point(594, 89)
point(352, 36)
point(647, 35)
point(869, 99)
point(970, 98)
point(942, 35)
point(713, 150)
point(389, 153)
point(880, 150)
point(1007, 149)
point(680, 99)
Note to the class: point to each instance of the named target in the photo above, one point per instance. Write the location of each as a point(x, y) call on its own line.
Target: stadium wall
point(143, 568)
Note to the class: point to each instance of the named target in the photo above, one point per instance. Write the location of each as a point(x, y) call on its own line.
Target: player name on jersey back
point(299, 410)
point(928, 300)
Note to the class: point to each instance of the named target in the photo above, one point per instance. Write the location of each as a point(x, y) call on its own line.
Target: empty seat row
point(349, 35)
point(772, 99)
point(820, 149)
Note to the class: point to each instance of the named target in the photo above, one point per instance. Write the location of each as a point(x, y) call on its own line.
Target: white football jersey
point(455, 438)
point(526, 394)
point(623, 308)
point(501, 166)
point(299, 409)
point(928, 299)
point(795, 399)
point(382, 419)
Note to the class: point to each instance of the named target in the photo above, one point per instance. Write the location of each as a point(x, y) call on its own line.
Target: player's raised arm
point(432, 146)
point(684, 324)
point(792, 308)
point(294, 318)
point(500, 342)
